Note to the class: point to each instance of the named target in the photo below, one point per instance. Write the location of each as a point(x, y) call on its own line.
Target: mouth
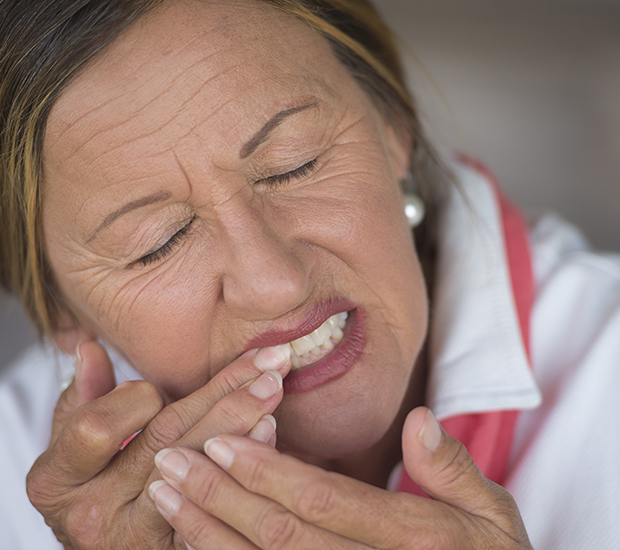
point(311, 348)
point(325, 346)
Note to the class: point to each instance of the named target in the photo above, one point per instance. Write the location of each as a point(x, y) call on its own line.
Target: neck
point(375, 464)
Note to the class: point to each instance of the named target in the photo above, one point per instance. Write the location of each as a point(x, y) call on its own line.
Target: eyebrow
point(263, 134)
point(246, 150)
point(160, 196)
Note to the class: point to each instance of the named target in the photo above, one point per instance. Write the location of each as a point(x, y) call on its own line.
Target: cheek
point(160, 320)
point(357, 220)
point(369, 255)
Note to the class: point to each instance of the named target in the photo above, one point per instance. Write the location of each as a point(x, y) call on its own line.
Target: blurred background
point(532, 87)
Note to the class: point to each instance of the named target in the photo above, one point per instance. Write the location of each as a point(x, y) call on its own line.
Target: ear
point(70, 332)
point(398, 146)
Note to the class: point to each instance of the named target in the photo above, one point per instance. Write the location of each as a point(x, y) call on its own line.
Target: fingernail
point(78, 360)
point(172, 463)
point(220, 452)
point(267, 385)
point(264, 429)
point(165, 497)
point(187, 545)
point(430, 434)
point(67, 382)
point(272, 358)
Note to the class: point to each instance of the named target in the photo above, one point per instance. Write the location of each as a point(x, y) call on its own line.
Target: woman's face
point(217, 181)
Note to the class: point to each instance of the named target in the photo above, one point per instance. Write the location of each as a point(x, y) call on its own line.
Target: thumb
point(443, 468)
point(94, 378)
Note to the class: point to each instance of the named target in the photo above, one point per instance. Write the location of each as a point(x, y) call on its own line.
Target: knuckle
point(504, 509)
point(93, 430)
point(229, 380)
point(317, 501)
point(508, 518)
point(41, 490)
point(196, 531)
point(458, 467)
point(256, 473)
point(211, 489)
point(278, 528)
point(237, 419)
point(143, 391)
point(83, 525)
point(506, 502)
point(65, 406)
point(434, 539)
point(166, 428)
point(62, 538)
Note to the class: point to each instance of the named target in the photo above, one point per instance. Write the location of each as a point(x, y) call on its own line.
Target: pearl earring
point(414, 206)
point(414, 209)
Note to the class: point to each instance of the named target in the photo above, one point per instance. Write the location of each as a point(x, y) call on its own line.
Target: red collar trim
point(488, 436)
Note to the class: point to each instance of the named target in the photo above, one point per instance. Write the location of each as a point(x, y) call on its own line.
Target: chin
point(337, 431)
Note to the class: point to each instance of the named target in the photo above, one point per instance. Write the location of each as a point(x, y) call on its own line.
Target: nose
point(268, 271)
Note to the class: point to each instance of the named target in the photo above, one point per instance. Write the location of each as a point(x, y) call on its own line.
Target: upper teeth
point(310, 348)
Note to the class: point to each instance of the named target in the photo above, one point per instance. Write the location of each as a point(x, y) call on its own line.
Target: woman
point(196, 193)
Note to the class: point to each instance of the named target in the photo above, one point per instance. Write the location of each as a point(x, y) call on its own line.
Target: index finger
point(334, 502)
point(175, 420)
point(212, 494)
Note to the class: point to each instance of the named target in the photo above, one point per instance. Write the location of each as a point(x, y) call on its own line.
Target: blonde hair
point(43, 47)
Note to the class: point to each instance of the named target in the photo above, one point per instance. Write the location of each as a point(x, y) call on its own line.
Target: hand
point(92, 495)
point(248, 496)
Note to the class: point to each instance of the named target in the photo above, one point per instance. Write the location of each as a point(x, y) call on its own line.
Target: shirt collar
point(478, 358)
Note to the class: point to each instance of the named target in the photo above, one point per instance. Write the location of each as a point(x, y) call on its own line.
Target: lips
point(335, 365)
point(329, 365)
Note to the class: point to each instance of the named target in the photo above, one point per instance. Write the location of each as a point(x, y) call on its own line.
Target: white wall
point(534, 86)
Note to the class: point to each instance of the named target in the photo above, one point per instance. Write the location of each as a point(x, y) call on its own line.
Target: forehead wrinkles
point(145, 68)
point(151, 85)
point(111, 118)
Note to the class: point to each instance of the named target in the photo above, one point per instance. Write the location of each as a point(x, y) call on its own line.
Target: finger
point(334, 502)
point(198, 528)
point(240, 412)
point(264, 430)
point(94, 377)
point(83, 449)
point(94, 374)
point(443, 468)
point(266, 523)
point(441, 465)
point(96, 431)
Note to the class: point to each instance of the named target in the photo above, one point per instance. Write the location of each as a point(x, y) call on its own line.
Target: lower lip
point(335, 365)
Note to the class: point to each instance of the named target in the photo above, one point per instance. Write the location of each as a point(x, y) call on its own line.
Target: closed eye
point(165, 249)
point(297, 174)
point(277, 179)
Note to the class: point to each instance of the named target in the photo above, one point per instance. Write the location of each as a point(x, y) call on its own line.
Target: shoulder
point(29, 390)
point(577, 302)
point(557, 244)
point(565, 473)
